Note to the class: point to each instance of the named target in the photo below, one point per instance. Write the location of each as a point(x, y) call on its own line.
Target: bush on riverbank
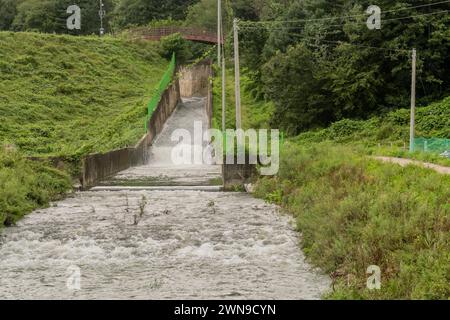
point(26, 185)
point(355, 212)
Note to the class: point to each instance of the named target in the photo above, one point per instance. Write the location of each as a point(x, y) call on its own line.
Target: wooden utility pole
point(237, 75)
point(413, 101)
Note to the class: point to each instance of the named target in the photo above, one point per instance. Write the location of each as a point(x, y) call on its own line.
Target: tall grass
point(355, 212)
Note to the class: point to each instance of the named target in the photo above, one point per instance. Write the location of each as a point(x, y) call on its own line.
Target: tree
point(356, 79)
point(8, 10)
point(36, 15)
point(141, 12)
point(292, 81)
point(51, 15)
point(175, 43)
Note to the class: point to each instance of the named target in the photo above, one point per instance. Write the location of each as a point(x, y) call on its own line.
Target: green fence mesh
point(163, 84)
point(433, 145)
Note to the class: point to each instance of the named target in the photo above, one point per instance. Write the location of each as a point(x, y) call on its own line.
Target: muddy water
point(156, 245)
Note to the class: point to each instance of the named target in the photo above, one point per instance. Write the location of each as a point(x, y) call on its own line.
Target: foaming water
point(157, 245)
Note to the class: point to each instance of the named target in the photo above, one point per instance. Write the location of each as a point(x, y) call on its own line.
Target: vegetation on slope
point(389, 134)
point(256, 113)
point(26, 185)
point(432, 121)
point(354, 212)
point(69, 96)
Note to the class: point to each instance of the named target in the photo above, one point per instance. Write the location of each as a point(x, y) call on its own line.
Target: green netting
point(433, 145)
point(163, 84)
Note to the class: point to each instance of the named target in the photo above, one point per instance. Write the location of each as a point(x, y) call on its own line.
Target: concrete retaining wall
point(238, 174)
point(96, 167)
point(194, 80)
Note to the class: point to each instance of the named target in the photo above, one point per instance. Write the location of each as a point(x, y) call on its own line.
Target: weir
point(158, 231)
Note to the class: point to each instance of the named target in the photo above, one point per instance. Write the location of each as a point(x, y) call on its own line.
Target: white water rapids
point(180, 244)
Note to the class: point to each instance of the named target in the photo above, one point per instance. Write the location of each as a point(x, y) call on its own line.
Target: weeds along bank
point(66, 96)
point(355, 212)
point(26, 185)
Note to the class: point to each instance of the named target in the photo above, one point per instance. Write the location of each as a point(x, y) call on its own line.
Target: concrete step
point(159, 188)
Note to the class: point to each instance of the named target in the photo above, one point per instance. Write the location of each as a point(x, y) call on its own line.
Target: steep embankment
point(64, 95)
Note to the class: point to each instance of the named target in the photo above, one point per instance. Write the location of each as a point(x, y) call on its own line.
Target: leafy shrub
point(175, 43)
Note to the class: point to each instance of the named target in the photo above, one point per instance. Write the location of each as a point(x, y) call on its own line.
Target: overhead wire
point(352, 16)
point(253, 25)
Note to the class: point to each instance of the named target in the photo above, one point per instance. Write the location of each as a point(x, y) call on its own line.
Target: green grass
point(26, 185)
point(69, 96)
point(256, 113)
point(355, 212)
point(389, 134)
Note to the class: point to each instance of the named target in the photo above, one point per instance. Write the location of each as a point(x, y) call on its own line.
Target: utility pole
point(237, 76)
point(101, 13)
point(219, 31)
point(224, 126)
point(413, 101)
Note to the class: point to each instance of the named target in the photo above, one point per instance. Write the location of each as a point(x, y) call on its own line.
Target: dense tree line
point(321, 71)
point(50, 15)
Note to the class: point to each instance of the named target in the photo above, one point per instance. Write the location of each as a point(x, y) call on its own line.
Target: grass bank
point(26, 185)
point(355, 212)
point(69, 96)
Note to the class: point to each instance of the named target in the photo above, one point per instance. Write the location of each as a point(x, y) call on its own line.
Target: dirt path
point(407, 162)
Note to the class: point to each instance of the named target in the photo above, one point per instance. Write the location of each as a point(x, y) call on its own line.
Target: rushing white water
point(158, 244)
point(182, 244)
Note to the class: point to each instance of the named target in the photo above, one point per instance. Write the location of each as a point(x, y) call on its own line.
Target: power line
point(406, 51)
point(362, 46)
point(340, 25)
point(346, 17)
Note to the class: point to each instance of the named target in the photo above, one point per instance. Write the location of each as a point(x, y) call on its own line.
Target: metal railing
point(163, 85)
point(189, 33)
